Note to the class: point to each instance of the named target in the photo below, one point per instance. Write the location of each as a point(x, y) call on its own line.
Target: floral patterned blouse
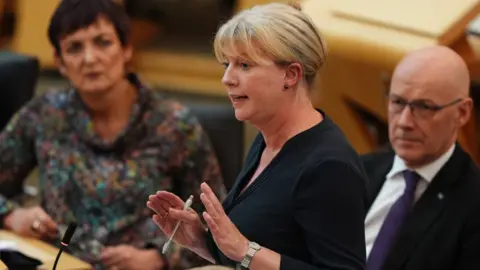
point(104, 185)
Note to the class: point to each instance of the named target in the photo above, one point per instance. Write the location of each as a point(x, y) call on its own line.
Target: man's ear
point(293, 75)
point(60, 64)
point(465, 110)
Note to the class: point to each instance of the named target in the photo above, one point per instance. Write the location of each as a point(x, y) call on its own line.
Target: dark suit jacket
point(441, 232)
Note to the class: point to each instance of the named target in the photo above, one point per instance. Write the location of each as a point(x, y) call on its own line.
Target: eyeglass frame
point(415, 103)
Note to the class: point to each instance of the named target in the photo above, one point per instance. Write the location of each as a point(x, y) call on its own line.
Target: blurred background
point(173, 52)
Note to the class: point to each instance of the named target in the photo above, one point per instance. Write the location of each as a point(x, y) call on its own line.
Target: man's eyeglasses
point(419, 108)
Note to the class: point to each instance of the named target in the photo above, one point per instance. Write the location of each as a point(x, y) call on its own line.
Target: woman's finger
point(212, 198)
point(37, 229)
point(212, 225)
point(162, 201)
point(158, 207)
point(42, 225)
point(159, 221)
point(51, 229)
point(171, 198)
point(162, 224)
point(209, 206)
point(184, 216)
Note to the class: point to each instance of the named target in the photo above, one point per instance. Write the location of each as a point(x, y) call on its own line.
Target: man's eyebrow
point(426, 100)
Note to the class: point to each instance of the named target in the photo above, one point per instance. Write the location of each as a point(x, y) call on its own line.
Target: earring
point(285, 86)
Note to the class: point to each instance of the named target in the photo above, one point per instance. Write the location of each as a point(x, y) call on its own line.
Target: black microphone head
point(69, 233)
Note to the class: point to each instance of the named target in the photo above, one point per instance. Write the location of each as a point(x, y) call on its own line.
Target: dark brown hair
point(72, 15)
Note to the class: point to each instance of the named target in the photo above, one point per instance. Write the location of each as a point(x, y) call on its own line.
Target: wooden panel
point(359, 55)
point(445, 22)
point(183, 72)
point(2, 8)
point(31, 29)
point(365, 43)
point(362, 52)
point(243, 4)
point(345, 82)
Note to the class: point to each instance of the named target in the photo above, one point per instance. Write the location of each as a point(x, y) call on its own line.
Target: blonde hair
point(275, 31)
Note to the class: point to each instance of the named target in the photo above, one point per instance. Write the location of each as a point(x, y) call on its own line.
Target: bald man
point(424, 193)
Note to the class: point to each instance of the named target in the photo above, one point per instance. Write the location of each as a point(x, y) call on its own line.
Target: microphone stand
point(65, 241)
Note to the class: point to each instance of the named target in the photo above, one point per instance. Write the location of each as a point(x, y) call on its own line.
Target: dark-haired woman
point(101, 147)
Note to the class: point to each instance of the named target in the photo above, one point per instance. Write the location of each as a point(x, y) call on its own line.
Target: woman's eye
point(74, 47)
point(104, 42)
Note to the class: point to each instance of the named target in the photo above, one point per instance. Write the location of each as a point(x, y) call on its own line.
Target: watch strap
point(253, 248)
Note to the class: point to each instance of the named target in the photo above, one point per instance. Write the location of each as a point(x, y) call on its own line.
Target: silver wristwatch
point(252, 249)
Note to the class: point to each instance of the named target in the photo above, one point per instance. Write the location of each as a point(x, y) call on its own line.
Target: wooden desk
point(3, 266)
point(44, 252)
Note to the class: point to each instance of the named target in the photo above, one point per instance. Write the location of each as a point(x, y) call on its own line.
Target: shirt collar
point(427, 172)
point(78, 114)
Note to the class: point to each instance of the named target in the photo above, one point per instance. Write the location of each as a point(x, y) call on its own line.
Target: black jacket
point(443, 231)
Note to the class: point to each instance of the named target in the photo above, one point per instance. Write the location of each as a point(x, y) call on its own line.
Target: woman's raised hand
point(169, 210)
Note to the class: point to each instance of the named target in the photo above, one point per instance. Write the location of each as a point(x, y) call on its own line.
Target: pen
point(187, 205)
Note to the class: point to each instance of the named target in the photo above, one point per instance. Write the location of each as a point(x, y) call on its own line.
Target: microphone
point(65, 241)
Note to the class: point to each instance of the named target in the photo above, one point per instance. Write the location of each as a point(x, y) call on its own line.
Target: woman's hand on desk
point(226, 235)
point(169, 210)
point(31, 222)
point(124, 257)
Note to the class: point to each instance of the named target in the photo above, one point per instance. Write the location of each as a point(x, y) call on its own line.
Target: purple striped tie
point(393, 222)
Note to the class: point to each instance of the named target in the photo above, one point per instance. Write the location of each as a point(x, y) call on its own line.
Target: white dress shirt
point(393, 188)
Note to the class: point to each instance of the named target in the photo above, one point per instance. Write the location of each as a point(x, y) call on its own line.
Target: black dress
point(308, 204)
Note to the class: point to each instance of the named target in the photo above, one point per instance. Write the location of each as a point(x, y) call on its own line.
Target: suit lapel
point(427, 209)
